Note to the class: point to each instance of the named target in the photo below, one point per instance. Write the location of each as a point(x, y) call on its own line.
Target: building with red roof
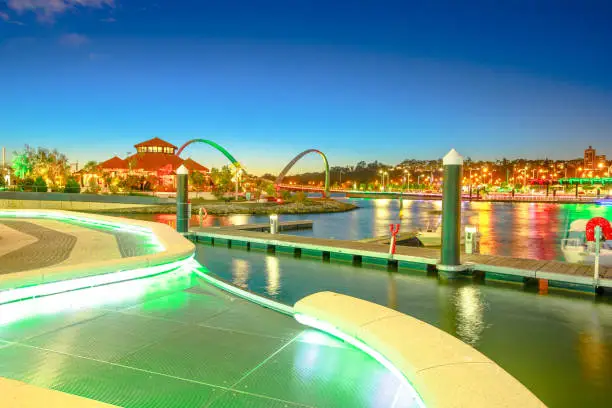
point(153, 166)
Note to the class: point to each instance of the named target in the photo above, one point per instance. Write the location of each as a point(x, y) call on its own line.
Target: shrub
point(285, 195)
point(93, 186)
point(218, 193)
point(27, 184)
point(300, 197)
point(40, 185)
point(113, 189)
point(72, 186)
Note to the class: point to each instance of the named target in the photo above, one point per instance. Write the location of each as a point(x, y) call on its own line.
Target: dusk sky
point(360, 80)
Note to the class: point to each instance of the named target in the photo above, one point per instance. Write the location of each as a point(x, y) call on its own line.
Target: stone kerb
point(444, 371)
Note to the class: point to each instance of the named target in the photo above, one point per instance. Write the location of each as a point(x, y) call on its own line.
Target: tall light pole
point(238, 174)
point(384, 185)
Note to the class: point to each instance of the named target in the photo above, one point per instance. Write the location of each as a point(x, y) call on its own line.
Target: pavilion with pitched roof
point(155, 162)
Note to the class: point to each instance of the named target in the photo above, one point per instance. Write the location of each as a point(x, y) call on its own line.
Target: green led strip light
point(89, 297)
point(204, 273)
point(334, 331)
point(46, 289)
point(328, 328)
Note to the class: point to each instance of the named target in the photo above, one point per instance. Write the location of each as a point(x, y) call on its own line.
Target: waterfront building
point(154, 163)
point(589, 158)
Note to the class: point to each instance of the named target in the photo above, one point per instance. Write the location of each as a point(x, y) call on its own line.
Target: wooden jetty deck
point(265, 227)
point(562, 274)
point(386, 239)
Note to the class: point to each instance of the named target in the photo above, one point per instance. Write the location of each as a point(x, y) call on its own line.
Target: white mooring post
point(470, 239)
point(273, 224)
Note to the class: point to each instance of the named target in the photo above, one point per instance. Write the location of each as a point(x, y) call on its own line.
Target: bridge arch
point(288, 167)
point(220, 148)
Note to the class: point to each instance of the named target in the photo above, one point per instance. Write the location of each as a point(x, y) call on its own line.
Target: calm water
point(558, 346)
point(525, 230)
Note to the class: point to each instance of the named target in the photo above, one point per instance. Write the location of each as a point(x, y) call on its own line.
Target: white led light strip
point(279, 307)
point(334, 331)
point(46, 289)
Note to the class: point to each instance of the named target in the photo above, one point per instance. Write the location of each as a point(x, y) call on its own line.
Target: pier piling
point(182, 204)
point(450, 259)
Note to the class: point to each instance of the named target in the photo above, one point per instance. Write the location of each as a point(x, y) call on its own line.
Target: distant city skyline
point(269, 79)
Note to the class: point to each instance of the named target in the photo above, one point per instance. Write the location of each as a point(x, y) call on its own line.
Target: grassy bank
point(223, 208)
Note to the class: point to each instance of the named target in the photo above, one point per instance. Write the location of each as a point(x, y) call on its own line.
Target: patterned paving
point(51, 247)
point(191, 346)
point(49, 244)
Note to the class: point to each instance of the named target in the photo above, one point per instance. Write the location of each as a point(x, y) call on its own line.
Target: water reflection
point(595, 353)
point(272, 276)
point(470, 314)
point(392, 292)
point(524, 230)
point(240, 272)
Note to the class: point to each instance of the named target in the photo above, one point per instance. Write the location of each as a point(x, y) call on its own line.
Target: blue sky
point(360, 80)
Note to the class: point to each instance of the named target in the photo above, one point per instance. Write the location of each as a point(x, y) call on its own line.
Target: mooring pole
point(450, 257)
point(596, 263)
point(182, 205)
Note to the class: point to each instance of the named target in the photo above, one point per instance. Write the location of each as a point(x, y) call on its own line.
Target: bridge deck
point(410, 257)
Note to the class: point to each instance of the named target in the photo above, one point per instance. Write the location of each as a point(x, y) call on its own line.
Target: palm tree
point(21, 164)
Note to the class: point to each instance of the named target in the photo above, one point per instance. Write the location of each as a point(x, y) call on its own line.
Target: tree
point(222, 180)
point(21, 164)
point(270, 190)
point(197, 180)
point(91, 167)
point(269, 176)
point(285, 195)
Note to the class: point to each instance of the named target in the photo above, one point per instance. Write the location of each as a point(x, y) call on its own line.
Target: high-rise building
point(589, 158)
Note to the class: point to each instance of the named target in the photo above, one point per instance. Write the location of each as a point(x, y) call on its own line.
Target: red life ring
point(605, 225)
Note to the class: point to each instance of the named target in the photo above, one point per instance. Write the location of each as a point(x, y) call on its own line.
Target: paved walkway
point(39, 243)
point(185, 344)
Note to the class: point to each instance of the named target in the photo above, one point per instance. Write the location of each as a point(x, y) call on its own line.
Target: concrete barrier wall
point(65, 205)
point(175, 248)
point(18, 394)
point(93, 198)
point(444, 371)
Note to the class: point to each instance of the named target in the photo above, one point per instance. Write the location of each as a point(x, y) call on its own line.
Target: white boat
point(576, 249)
point(432, 236)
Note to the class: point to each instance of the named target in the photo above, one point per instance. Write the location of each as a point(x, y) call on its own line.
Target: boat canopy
point(578, 225)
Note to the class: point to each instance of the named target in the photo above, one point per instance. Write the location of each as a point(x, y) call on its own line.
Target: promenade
point(171, 340)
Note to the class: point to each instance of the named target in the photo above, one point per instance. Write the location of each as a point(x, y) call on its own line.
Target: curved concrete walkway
point(186, 344)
